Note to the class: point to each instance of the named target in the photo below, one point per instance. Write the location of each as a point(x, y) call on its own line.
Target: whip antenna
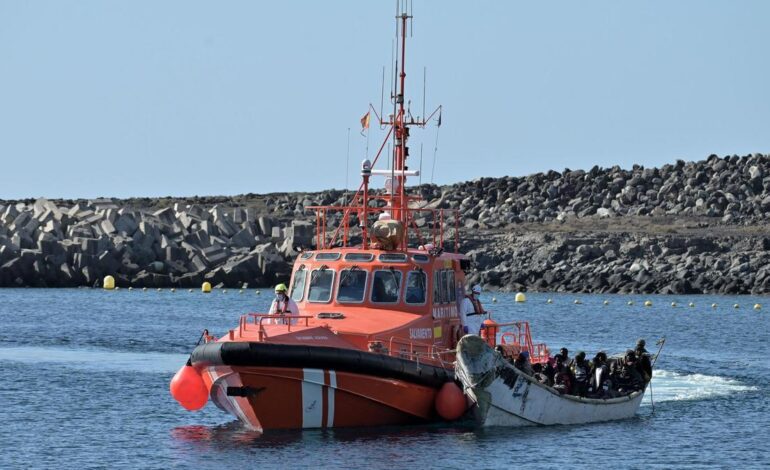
point(424, 74)
point(382, 95)
point(347, 171)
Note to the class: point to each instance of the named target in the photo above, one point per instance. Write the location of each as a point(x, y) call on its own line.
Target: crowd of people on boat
point(601, 377)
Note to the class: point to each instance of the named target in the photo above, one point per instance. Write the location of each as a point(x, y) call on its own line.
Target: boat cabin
point(377, 292)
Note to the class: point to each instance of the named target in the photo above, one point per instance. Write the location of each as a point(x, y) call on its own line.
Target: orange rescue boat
point(379, 301)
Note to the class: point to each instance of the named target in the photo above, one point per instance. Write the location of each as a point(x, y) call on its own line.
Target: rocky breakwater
point(43, 243)
point(688, 227)
point(685, 227)
point(730, 262)
point(733, 189)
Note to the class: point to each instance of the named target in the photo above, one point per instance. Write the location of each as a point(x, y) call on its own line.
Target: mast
point(399, 201)
point(396, 198)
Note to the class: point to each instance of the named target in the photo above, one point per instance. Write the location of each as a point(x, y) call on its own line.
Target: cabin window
point(416, 287)
point(451, 289)
point(444, 286)
point(321, 281)
point(437, 287)
point(392, 257)
point(327, 256)
point(386, 286)
point(306, 255)
point(359, 257)
point(352, 286)
point(421, 258)
point(298, 286)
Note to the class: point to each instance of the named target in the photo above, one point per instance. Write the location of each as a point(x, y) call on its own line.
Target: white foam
point(675, 386)
point(95, 359)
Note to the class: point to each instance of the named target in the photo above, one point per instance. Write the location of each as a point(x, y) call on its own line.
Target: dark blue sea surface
point(86, 377)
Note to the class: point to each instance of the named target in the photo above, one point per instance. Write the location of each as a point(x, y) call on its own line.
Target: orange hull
point(290, 398)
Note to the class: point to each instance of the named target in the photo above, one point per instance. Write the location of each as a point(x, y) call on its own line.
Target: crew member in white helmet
point(282, 306)
point(472, 312)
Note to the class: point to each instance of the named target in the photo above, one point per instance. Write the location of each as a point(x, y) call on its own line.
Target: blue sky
point(149, 98)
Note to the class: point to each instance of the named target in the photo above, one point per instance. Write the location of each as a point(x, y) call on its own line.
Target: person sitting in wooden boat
point(643, 362)
point(564, 353)
point(562, 382)
point(546, 374)
point(625, 375)
point(581, 370)
point(522, 363)
point(282, 306)
point(599, 385)
point(472, 311)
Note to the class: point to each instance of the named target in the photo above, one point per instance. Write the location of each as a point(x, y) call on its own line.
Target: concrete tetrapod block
point(265, 226)
point(243, 239)
point(214, 254)
point(166, 215)
point(20, 221)
point(107, 227)
point(238, 216)
point(185, 220)
point(126, 224)
point(225, 227)
point(197, 263)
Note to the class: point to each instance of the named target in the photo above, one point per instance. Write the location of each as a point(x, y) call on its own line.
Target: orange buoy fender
point(187, 387)
point(450, 402)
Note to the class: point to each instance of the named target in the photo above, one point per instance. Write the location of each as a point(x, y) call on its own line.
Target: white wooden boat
point(504, 396)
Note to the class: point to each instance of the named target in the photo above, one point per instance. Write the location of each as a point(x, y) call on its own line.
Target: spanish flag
point(365, 122)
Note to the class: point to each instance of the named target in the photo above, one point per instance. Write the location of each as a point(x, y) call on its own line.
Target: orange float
point(187, 387)
point(450, 402)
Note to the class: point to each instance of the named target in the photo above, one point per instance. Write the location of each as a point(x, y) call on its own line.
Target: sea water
point(85, 384)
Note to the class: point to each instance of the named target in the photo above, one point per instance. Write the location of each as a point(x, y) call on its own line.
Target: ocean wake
point(675, 386)
point(94, 359)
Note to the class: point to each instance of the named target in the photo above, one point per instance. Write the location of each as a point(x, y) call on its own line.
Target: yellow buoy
point(606, 302)
point(494, 300)
point(520, 297)
point(673, 304)
point(549, 301)
point(630, 302)
point(578, 302)
point(757, 307)
point(206, 287)
point(648, 303)
point(173, 289)
point(713, 305)
point(736, 306)
point(109, 282)
point(258, 293)
point(691, 304)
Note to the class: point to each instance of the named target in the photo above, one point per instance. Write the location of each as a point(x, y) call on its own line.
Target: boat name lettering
point(311, 338)
point(449, 311)
point(420, 333)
